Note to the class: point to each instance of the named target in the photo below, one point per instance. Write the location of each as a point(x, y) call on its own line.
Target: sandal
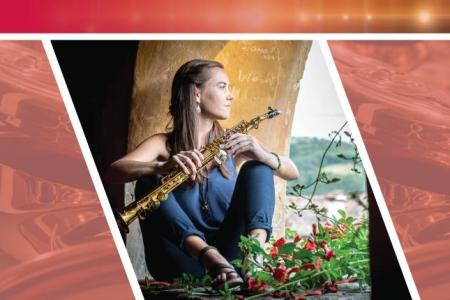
point(218, 268)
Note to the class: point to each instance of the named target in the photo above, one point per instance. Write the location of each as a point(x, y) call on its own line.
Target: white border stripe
point(229, 36)
point(369, 170)
point(92, 170)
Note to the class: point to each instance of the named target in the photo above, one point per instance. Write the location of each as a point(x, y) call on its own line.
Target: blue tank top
point(206, 204)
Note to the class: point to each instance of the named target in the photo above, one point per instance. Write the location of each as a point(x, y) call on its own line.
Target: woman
point(217, 206)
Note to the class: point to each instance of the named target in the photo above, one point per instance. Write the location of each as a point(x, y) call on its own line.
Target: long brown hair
point(183, 136)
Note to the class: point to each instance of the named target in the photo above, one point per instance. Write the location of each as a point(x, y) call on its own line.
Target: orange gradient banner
point(233, 16)
point(55, 242)
point(400, 96)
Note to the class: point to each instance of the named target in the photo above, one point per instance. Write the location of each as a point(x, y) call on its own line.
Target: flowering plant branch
point(322, 177)
point(335, 251)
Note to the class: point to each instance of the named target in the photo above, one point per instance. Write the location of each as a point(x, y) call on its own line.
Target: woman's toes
point(221, 278)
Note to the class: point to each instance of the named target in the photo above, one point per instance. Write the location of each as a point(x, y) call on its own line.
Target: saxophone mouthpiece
point(273, 112)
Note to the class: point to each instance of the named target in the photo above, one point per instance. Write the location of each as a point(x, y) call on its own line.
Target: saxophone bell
point(123, 226)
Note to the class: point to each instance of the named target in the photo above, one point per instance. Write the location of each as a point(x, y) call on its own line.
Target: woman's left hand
point(247, 146)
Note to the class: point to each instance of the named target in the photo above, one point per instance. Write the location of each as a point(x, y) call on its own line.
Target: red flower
point(279, 273)
point(328, 252)
point(358, 224)
point(314, 227)
point(318, 263)
point(294, 269)
point(308, 267)
point(297, 239)
point(155, 282)
point(330, 287)
point(310, 246)
point(286, 256)
point(316, 292)
point(273, 252)
point(341, 229)
point(253, 285)
point(280, 242)
point(328, 227)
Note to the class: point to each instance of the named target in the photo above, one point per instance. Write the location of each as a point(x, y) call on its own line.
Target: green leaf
point(323, 176)
point(237, 263)
point(287, 248)
point(263, 276)
point(290, 233)
point(290, 263)
point(340, 155)
point(303, 254)
point(350, 245)
point(335, 179)
point(298, 188)
point(342, 213)
point(320, 228)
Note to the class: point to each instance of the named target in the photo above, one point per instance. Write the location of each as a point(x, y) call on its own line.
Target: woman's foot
point(219, 269)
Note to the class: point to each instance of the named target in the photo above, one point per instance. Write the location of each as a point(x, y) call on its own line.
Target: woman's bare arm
point(246, 147)
point(139, 162)
point(287, 170)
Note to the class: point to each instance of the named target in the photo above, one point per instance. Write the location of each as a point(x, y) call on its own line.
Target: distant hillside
point(307, 152)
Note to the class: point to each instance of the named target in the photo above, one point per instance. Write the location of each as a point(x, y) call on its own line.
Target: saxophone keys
point(220, 157)
point(162, 196)
point(142, 214)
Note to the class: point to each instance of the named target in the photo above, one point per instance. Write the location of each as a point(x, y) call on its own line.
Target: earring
point(198, 109)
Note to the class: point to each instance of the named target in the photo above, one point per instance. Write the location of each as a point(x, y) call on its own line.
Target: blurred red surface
point(55, 242)
point(400, 95)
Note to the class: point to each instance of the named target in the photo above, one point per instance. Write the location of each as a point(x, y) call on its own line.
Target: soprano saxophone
point(213, 150)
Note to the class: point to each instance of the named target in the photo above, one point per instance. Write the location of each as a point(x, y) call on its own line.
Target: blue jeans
point(164, 231)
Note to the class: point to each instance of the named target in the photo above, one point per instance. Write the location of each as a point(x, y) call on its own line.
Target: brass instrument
point(213, 150)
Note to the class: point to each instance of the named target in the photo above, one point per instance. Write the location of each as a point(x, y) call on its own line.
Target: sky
point(318, 110)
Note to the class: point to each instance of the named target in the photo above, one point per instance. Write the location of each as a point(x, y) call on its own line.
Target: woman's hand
point(188, 161)
point(247, 146)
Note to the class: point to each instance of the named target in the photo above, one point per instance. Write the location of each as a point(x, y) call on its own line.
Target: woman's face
point(215, 97)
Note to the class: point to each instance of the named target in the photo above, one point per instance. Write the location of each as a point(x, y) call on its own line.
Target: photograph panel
point(137, 101)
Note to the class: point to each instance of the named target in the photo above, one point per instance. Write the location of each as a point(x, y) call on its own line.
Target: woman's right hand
point(187, 161)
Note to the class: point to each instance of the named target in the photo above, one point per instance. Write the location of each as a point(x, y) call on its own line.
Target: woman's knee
point(256, 167)
point(257, 178)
